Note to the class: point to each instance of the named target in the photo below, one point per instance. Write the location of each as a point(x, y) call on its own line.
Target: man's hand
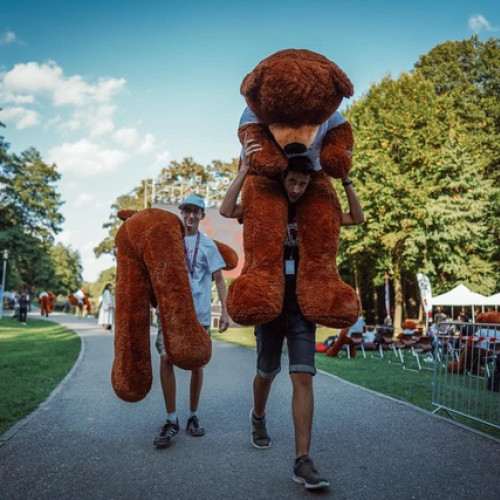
point(249, 148)
point(223, 322)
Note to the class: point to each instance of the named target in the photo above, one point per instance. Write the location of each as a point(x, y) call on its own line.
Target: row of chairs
point(411, 344)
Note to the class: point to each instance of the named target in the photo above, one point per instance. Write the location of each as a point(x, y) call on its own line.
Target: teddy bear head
point(489, 317)
point(293, 91)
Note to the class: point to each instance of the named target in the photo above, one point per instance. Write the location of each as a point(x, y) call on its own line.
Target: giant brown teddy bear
point(151, 269)
point(292, 96)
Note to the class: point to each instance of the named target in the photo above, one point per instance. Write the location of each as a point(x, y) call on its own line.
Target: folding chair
point(384, 340)
point(356, 340)
point(405, 343)
point(423, 348)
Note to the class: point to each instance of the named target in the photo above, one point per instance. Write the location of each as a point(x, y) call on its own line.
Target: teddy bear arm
point(228, 254)
point(270, 160)
point(336, 151)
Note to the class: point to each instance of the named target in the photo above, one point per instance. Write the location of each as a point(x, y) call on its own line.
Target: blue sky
point(113, 90)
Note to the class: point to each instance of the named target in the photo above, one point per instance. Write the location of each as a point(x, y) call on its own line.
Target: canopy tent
point(492, 300)
point(460, 296)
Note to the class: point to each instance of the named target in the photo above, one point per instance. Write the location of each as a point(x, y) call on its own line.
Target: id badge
point(289, 266)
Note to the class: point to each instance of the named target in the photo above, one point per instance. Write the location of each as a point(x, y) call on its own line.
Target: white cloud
point(49, 79)
point(148, 143)
point(478, 23)
point(160, 162)
point(21, 117)
point(89, 105)
point(83, 199)
point(84, 158)
point(127, 137)
point(8, 97)
point(7, 38)
point(66, 237)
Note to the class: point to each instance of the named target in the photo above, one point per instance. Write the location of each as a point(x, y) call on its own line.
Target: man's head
point(296, 177)
point(192, 211)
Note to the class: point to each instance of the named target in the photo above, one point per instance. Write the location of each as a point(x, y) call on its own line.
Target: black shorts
point(301, 342)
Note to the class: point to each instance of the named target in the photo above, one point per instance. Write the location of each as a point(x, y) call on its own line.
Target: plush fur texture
point(52, 302)
point(292, 92)
point(74, 301)
point(44, 305)
point(151, 268)
point(342, 340)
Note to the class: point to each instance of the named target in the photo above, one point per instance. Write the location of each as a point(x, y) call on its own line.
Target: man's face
point(295, 184)
point(192, 216)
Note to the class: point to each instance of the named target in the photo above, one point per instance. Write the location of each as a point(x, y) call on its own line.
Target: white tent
point(492, 300)
point(460, 296)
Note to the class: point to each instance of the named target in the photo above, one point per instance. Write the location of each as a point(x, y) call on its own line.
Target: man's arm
point(230, 207)
point(222, 292)
point(355, 215)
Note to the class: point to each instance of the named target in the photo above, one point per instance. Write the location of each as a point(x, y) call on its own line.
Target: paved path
point(85, 443)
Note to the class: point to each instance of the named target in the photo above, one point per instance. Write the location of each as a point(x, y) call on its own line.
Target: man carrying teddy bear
point(299, 332)
point(204, 262)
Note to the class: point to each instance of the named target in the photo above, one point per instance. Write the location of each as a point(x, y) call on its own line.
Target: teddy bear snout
point(295, 148)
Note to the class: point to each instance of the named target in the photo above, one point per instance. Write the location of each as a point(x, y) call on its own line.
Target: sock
point(298, 458)
point(172, 417)
point(192, 414)
point(258, 418)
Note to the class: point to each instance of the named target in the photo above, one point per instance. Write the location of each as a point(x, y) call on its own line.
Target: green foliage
point(424, 160)
point(68, 269)
point(29, 219)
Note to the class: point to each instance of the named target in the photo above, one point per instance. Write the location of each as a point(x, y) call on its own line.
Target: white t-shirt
point(313, 152)
point(208, 261)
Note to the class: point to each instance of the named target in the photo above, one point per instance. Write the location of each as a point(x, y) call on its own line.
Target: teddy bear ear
point(125, 214)
point(250, 86)
point(341, 81)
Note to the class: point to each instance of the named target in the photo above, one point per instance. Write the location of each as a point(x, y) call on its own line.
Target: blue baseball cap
point(193, 199)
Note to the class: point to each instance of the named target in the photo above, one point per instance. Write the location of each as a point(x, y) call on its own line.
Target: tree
point(468, 72)
point(30, 197)
point(409, 145)
point(68, 269)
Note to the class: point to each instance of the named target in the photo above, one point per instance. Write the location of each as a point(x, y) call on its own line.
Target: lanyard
point(191, 265)
point(291, 240)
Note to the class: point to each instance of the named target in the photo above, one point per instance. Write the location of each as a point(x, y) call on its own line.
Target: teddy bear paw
point(330, 303)
point(255, 298)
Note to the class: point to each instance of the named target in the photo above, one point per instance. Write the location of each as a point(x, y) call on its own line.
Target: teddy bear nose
point(295, 148)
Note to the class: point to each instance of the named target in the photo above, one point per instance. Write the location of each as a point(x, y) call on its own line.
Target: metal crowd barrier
point(467, 371)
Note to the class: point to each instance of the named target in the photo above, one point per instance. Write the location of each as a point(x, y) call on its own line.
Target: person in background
point(23, 308)
point(107, 308)
point(43, 299)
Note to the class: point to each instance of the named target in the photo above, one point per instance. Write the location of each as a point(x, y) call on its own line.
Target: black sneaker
point(193, 427)
point(167, 433)
point(260, 437)
point(305, 473)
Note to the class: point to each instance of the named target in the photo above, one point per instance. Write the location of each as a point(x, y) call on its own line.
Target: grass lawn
point(381, 375)
point(34, 358)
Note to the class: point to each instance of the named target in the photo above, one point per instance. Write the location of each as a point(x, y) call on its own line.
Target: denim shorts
point(300, 335)
point(160, 344)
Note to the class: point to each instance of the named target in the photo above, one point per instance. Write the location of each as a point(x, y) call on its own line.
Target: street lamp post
point(4, 273)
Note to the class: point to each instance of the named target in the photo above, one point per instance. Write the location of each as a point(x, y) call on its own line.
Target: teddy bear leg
point(256, 296)
point(131, 373)
point(322, 296)
point(187, 343)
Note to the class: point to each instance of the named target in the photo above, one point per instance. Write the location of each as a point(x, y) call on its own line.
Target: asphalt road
point(85, 443)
